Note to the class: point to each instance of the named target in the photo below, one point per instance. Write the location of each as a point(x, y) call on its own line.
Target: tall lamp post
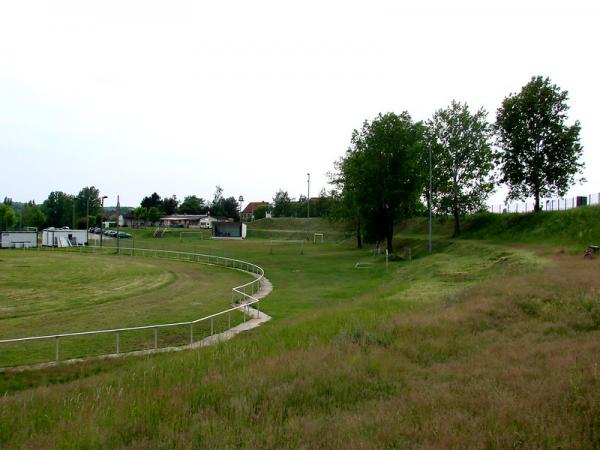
point(430, 199)
point(308, 197)
point(101, 214)
point(241, 200)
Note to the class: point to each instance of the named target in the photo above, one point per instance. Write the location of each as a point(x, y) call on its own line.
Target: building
point(228, 230)
point(64, 237)
point(187, 221)
point(248, 212)
point(18, 239)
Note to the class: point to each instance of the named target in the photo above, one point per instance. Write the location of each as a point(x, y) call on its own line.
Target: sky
point(177, 97)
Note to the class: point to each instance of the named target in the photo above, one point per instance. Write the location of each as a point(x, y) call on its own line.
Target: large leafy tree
point(382, 172)
point(282, 204)
point(539, 152)
point(153, 200)
point(169, 205)
point(192, 205)
point(58, 208)
point(33, 216)
point(89, 195)
point(8, 218)
point(462, 160)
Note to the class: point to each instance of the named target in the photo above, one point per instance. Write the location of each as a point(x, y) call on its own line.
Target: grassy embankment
point(479, 345)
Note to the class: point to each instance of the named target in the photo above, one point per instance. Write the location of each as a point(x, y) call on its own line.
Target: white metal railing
point(241, 296)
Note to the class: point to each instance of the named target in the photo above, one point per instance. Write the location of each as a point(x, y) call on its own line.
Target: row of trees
point(59, 209)
point(286, 206)
point(384, 175)
point(153, 207)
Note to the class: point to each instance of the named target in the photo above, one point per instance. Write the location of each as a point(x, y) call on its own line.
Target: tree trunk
point(536, 207)
point(536, 193)
point(456, 223)
point(358, 237)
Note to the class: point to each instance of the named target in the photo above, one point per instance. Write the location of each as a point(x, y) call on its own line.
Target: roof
point(186, 217)
point(250, 207)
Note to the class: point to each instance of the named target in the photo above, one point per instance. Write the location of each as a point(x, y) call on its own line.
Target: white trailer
point(18, 239)
point(63, 237)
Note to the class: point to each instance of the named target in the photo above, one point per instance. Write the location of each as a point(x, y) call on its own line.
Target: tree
point(169, 205)
point(382, 174)
point(153, 214)
point(261, 211)
point(33, 216)
point(539, 153)
point(140, 214)
point(231, 208)
point(151, 201)
point(282, 204)
point(8, 218)
point(192, 205)
point(58, 208)
point(90, 195)
point(462, 160)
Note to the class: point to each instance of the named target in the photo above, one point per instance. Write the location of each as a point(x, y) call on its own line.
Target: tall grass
point(476, 346)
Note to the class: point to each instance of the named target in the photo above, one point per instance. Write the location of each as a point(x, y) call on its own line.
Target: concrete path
point(257, 318)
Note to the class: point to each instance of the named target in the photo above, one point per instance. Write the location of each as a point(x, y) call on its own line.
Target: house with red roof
point(248, 212)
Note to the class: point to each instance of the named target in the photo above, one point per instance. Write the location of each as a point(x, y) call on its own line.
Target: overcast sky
point(177, 97)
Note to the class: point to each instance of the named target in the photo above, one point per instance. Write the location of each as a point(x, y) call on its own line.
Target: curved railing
point(241, 296)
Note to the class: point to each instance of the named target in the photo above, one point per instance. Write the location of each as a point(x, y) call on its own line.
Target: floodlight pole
point(308, 198)
point(429, 197)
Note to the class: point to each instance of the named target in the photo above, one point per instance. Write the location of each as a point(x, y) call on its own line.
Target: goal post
point(318, 235)
point(183, 234)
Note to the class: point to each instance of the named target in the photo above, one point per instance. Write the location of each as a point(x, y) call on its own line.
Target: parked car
point(123, 235)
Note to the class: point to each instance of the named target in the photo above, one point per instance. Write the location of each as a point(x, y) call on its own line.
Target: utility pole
point(308, 198)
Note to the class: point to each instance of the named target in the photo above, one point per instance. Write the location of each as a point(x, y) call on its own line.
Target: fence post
point(191, 333)
point(118, 342)
point(156, 339)
point(57, 350)
point(229, 320)
point(212, 326)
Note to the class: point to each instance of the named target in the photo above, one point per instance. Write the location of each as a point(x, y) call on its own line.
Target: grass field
point(50, 292)
point(481, 345)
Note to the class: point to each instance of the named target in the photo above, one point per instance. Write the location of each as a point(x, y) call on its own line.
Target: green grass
point(575, 228)
point(479, 345)
point(51, 292)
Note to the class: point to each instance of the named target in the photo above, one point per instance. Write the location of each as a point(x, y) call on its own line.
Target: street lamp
point(101, 214)
point(430, 200)
point(241, 200)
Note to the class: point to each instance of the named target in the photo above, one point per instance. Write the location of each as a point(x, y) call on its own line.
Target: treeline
point(153, 207)
point(58, 210)
point(396, 167)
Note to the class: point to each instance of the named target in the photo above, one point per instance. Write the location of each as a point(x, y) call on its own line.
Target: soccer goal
point(295, 244)
point(318, 236)
point(191, 234)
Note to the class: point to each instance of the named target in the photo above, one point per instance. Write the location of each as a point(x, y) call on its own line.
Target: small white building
point(187, 221)
point(63, 237)
point(18, 239)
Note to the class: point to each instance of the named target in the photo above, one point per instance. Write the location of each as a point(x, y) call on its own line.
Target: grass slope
point(479, 345)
